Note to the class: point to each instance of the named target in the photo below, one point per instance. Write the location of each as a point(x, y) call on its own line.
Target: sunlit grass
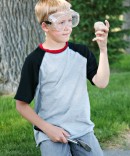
point(110, 107)
point(16, 134)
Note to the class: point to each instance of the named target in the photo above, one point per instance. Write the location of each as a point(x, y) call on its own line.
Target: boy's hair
point(44, 8)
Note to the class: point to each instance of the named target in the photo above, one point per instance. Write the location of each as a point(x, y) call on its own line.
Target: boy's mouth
point(66, 34)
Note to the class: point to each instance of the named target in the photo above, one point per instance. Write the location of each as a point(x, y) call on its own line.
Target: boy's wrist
point(44, 127)
point(103, 50)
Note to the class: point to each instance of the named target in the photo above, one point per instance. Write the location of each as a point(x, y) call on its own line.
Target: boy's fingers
point(99, 33)
point(107, 24)
point(103, 29)
point(106, 29)
point(66, 134)
point(64, 137)
point(64, 140)
point(98, 39)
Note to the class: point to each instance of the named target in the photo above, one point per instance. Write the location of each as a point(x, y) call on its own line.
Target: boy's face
point(60, 36)
point(60, 24)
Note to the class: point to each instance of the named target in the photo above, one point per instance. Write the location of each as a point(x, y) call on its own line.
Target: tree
point(20, 33)
point(126, 24)
point(92, 11)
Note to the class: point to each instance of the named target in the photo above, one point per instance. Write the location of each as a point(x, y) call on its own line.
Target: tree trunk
point(126, 24)
point(20, 33)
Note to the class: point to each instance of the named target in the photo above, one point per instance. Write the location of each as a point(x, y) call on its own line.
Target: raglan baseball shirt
point(56, 80)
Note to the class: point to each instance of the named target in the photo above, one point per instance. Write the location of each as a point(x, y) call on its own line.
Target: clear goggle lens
point(60, 20)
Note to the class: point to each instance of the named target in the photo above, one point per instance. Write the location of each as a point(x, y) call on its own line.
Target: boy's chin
point(66, 39)
point(63, 41)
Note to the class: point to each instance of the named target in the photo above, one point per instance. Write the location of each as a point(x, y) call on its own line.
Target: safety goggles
point(60, 20)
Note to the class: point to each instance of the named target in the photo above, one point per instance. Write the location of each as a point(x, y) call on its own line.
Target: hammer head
point(84, 145)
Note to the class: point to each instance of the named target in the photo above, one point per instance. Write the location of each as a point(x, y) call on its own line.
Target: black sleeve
point(91, 65)
point(28, 82)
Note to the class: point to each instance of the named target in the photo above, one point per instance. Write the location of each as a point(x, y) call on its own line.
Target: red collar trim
point(53, 51)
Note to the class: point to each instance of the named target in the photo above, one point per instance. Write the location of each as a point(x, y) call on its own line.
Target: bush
point(122, 64)
point(92, 11)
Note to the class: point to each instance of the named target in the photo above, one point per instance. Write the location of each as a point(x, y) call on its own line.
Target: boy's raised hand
point(101, 32)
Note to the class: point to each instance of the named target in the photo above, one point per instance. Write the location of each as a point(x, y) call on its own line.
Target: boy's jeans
point(49, 148)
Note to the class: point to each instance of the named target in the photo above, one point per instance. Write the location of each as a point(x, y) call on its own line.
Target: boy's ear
point(44, 27)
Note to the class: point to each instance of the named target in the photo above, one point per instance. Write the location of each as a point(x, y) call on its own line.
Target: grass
point(16, 135)
point(110, 112)
point(110, 108)
point(122, 64)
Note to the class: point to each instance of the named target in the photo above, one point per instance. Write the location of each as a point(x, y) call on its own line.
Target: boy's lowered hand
point(57, 134)
point(101, 32)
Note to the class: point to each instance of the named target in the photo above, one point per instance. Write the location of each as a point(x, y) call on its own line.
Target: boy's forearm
point(101, 79)
point(28, 113)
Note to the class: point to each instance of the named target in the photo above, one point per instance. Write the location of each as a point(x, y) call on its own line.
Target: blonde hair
point(44, 8)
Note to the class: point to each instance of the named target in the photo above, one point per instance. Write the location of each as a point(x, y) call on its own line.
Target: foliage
point(92, 11)
point(123, 63)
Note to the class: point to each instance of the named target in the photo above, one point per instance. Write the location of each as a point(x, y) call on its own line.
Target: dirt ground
point(121, 142)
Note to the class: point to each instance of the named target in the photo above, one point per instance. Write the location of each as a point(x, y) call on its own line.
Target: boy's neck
point(53, 45)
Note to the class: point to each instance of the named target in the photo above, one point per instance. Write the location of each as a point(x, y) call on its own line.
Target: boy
point(55, 73)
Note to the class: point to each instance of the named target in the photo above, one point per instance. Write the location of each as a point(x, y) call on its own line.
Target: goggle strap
point(48, 22)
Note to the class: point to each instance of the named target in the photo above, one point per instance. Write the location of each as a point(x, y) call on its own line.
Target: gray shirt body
point(61, 96)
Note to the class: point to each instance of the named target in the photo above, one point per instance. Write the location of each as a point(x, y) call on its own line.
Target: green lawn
point(110, 112)
point(110, 107)
point(16, 135)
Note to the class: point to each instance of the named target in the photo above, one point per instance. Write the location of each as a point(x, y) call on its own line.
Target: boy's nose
point(68, 27)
